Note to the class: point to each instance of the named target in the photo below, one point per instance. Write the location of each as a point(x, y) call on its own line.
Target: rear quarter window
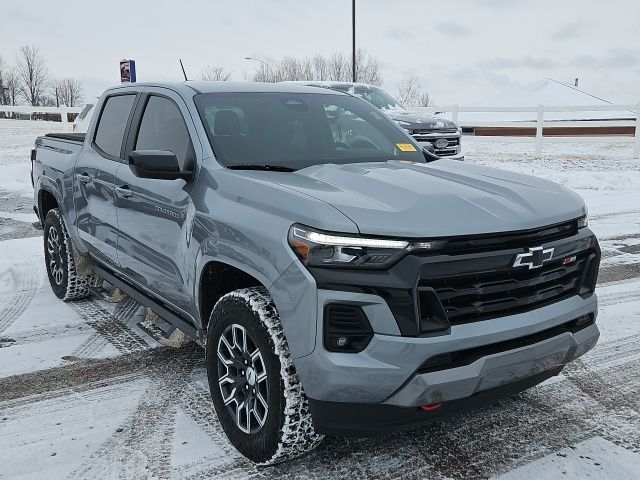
point(112, 124)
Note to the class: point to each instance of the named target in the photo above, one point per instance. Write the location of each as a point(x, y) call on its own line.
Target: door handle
point(84, 177)
point(124, 191)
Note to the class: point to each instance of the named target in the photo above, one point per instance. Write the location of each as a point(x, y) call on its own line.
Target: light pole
point(353, 40)
point(257, 60)
point(267, 74)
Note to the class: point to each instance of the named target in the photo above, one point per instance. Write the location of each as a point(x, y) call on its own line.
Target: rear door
point(94, 192)
point(153, 214)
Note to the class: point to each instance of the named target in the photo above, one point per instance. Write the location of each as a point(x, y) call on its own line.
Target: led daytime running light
point(334, 240)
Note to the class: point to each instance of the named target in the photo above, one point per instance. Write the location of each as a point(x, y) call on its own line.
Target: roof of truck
point(328, 83)
point(215, 87)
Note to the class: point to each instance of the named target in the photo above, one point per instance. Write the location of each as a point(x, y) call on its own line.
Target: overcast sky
point(461, 50)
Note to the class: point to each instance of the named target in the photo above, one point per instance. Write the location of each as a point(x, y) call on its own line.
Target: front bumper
point(387, 370)
point(365, 419)
point(354, 399)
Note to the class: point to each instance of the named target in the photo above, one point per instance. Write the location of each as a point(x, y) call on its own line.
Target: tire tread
point(297, 436)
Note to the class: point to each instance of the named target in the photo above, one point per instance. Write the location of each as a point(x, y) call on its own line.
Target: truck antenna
point(183, 72)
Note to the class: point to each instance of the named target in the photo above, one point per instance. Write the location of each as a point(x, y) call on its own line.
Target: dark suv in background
point(440, 136)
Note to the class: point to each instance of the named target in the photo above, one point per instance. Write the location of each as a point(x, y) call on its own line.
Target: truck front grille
point(488, 294)
point(451, 148)
point(426, 131)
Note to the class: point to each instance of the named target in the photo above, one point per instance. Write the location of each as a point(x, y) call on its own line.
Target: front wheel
point(255, 389)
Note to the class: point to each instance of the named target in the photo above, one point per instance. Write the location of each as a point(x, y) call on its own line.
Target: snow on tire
point(282, 431)
point(65, 281)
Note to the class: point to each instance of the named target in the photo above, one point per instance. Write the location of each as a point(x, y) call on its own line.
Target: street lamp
point(353, 40)
point(257, 60)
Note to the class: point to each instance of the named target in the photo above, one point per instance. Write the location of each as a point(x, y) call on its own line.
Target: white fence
point(541, 122)
point(455, 110)
point(63, 111)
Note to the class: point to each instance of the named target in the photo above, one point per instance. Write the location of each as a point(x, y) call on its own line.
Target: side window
point(113, 121)
point(163, 128)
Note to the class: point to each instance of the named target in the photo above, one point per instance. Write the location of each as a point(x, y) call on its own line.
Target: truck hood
point(439, 199)
point(420, 120)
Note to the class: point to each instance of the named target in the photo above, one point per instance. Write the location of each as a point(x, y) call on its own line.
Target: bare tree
point(12, 86)
point(8, 83)
point(335, 67)
point(213, 73)
point(367, 68)
point(49, 101)
point(4, 88)
point(426, 100)
point(410, 93)
point(32, 74)
point(264, 74)
point(68, 91)
point(320, 67)
point(339, 67)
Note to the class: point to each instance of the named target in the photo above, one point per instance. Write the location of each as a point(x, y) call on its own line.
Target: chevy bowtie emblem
point(534, 258)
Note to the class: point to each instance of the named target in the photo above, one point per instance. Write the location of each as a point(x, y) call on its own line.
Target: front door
point(94, 188)
point(153, 213)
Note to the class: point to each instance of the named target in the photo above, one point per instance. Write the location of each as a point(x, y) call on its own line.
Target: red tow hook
point(431, 407)
point(554, 369)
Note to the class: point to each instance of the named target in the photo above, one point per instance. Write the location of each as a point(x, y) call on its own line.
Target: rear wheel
point(61, 266)
point(254, 385)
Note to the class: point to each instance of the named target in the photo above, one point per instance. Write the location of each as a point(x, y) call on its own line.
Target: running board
point(163, 312)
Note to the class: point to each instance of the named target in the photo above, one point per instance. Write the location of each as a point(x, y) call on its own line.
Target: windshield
point(378, 98)
point(299, 130)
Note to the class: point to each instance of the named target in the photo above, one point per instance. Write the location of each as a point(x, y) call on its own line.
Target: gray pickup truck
point(340, 283)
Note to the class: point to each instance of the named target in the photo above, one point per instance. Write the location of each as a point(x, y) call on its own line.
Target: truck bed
point(73, 137)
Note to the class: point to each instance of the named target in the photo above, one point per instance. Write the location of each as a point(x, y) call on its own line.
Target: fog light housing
point(346, 328)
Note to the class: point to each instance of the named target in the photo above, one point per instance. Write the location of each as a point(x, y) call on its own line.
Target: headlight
point(583, 222)
point(321, 249)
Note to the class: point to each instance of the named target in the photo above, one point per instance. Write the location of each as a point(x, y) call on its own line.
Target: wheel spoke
point(224, 340)
point(255, 355)
point(238, 414)
point(247, 410)
point(261, 399)
point(231, 398)
point(226, 361)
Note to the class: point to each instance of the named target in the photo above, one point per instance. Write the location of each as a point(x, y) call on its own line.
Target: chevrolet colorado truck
point(439, 136)
point(339, 282)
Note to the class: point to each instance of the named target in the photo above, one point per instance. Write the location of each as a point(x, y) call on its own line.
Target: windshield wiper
point(273, 168)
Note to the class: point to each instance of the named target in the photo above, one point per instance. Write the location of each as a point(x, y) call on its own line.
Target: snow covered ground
point(87, 392)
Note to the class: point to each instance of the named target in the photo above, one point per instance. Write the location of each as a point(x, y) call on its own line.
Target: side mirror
point(429, 155)
point(160, 164)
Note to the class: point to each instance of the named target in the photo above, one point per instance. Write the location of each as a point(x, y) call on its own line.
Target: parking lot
point(88, 391)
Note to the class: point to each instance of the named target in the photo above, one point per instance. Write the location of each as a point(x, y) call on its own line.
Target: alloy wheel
point(242, 378)
point(56, 262)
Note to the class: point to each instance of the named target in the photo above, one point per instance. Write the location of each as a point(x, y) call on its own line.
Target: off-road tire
point(288, 429)
point(62, 272)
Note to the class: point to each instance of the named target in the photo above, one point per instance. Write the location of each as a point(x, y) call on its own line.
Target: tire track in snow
point(109, 330)
point(142, 446)
point(85, 371)
point(57, 332)
point(27, 282)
